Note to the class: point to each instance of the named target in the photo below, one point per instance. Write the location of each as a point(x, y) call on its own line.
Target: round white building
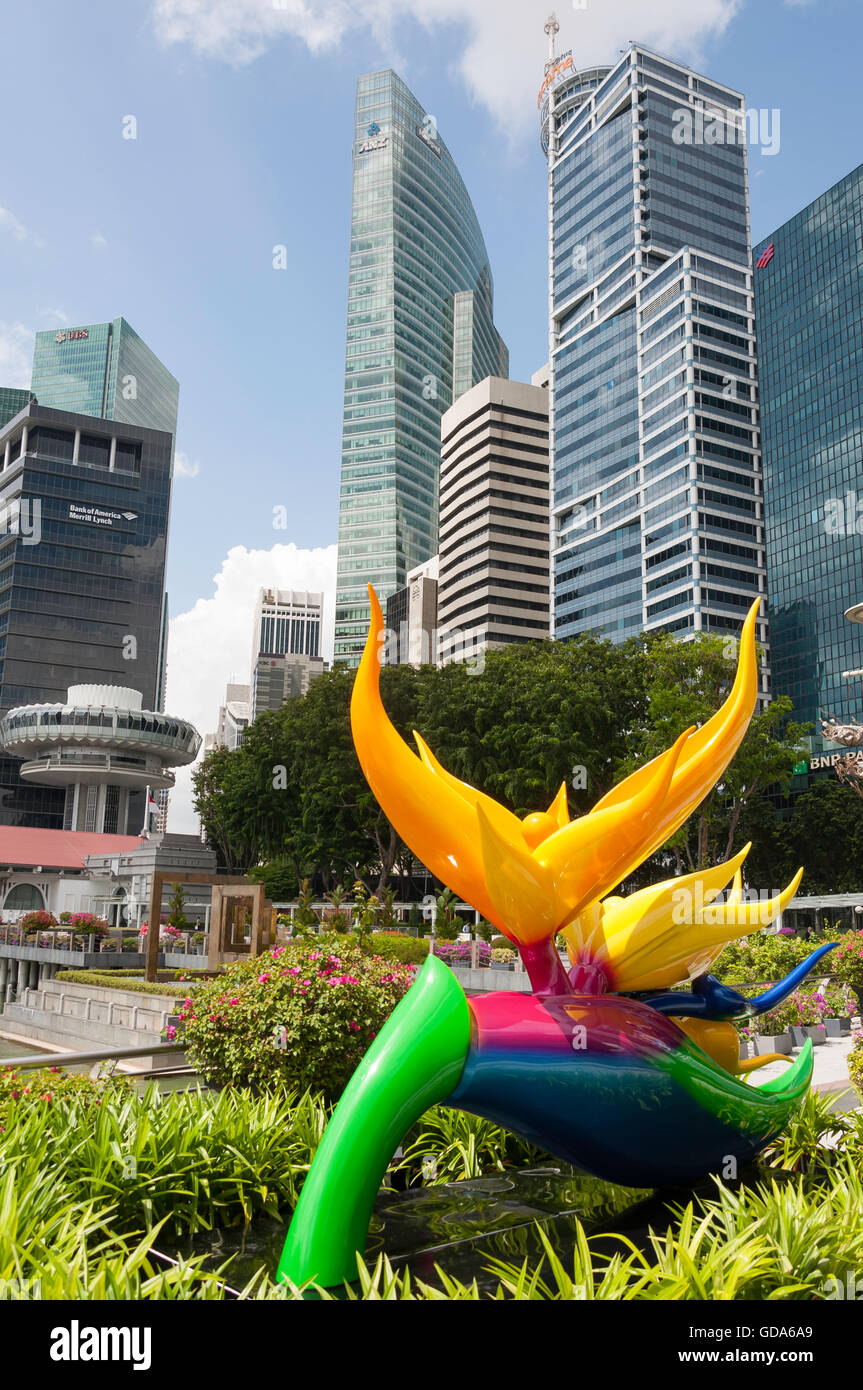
point(102, 747)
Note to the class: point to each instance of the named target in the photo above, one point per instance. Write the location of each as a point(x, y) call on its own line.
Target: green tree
point(684, 685)
point(176, 909)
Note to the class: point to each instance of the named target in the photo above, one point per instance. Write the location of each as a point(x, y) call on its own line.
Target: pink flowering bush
point(846, 962)
point(88, 922)
point(303, 1014)
point(805, 1008)
point(50, 1086)
point(38, 921)
point(459, 953)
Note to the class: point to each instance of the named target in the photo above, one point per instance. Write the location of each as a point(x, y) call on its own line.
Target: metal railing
point(71, 1059)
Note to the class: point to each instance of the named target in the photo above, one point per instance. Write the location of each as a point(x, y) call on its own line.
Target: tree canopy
point(584, 712)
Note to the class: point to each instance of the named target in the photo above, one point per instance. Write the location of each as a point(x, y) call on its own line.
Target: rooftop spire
point(551, 28)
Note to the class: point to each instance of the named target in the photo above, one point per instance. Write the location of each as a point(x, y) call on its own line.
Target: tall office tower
point(493, 583)
point(104, 369)
point(656, 476)
point(276, 679)
point(420, 330)
point(809, 309)
point(11, 401)
point(82, 571)
point(287, 624)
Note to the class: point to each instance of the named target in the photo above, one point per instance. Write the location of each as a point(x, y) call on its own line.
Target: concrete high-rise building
point(82, 571)
point(276, 679)
point(412, 618)
point(657, 509)
point(809, 304)
point(286, 631)
point(493, 582)
point(106, 370)
point(234, 718)
point(420, 330)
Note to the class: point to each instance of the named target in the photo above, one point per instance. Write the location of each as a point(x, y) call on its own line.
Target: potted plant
point(502, 958)
point(839, 1007)
point(809, 1022)
point(772, 1031)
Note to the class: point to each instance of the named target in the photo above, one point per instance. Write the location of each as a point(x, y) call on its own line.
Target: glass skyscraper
point(809, 303)
point(11, 401)
point(104, 369)
point(82, 571)
point(657, 502)
point(420, 331)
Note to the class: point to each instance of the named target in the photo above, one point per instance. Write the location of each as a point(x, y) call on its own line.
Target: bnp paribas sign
point(68, 335)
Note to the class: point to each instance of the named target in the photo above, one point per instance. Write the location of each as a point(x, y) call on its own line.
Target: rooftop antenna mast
point(551, 28)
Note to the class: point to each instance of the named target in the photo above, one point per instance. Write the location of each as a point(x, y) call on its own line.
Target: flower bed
point(461, 953)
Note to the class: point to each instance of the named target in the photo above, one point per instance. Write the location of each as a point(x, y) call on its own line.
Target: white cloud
point(213, 640)
point(500, 54)
point(16, 354)
point(55, 315)
point(10, 222)
point(184, 467)
point(98, 241)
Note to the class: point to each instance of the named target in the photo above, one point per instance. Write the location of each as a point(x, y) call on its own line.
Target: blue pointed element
point(710, 998)
point(780, 992)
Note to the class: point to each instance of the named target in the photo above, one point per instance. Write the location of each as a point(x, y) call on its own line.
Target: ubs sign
point(69, 334)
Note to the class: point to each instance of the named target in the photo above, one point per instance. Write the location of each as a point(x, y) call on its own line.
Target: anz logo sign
point(375, 140)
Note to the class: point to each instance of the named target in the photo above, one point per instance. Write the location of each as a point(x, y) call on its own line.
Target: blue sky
point(244, 125)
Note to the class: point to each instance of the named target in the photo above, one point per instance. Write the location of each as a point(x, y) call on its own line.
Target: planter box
point(772, 1042)
point(837, 1027)
point(501, 965)
point(799, 1035)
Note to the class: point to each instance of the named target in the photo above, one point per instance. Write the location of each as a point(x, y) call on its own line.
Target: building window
point(24, 897)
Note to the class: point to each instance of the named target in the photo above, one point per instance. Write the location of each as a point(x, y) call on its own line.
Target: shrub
point(410, 950)
point(114, 979)
point(461, 953)
point(51, 1085)
point(38, 921)
point(448, 924)
point(302, 1014)
point(846, 962)
point(839, 1000)
point(762, 957)
point(503, 955)
point(88, 923)
point(855, 1064)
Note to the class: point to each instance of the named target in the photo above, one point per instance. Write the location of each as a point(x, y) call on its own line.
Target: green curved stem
point(415, 1061)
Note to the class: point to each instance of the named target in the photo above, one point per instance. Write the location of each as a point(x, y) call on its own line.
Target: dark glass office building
point(104, 369)
point(420, 331)
point(82, 570)
point(809, 303)
point(11, 401)
point(657, 518)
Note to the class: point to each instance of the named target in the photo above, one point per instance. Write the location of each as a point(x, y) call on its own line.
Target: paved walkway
point(830, 1074)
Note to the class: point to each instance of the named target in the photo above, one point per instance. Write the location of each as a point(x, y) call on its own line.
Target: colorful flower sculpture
point(606, 1065)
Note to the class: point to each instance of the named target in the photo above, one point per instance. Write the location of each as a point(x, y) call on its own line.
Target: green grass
point(88, 1182)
